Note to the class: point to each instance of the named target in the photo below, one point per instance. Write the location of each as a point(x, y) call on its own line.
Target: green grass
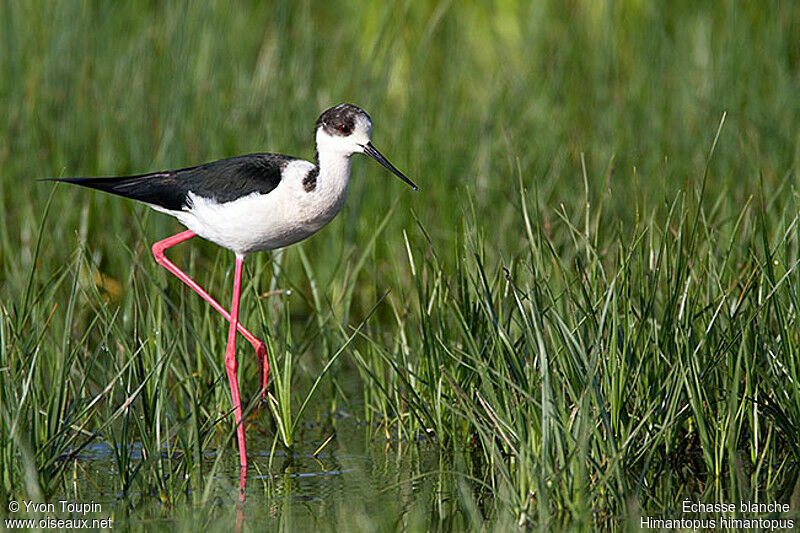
point(589, 310)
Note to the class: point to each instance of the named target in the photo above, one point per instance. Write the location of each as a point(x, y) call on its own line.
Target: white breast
point(284, 216)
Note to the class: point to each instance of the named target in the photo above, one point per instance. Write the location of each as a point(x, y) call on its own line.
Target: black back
point(224, 181)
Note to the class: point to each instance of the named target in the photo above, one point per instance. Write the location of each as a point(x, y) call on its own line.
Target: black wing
point(224, 181)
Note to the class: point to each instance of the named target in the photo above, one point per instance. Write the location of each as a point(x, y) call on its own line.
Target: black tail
point(223, 180)
point(157, 188)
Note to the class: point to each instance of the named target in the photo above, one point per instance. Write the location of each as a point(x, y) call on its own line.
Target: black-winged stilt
point(251, 203)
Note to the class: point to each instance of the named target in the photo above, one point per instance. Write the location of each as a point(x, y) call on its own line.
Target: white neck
point(334, 168)
point(333, 159)
point(332, 179)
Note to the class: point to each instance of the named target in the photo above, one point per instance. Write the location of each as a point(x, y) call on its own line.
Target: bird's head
point(345, 130)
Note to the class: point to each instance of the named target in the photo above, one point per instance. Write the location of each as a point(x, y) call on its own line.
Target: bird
point(252, 203)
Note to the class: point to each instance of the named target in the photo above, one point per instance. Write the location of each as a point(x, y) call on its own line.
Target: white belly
point(257, 222)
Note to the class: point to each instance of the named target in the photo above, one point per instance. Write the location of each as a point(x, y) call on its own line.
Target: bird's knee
point(261, 348)
point(158, 252)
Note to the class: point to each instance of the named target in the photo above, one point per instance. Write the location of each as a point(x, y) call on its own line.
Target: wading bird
point(251, 203)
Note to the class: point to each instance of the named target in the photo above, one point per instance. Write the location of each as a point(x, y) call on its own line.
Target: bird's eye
point(343, 128)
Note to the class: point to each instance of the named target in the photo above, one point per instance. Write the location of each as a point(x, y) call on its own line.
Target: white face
point(344, 129)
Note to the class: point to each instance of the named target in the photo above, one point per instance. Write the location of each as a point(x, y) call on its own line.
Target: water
point(360, 481)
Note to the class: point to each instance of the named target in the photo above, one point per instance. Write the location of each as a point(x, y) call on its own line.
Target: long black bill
point(377, 156)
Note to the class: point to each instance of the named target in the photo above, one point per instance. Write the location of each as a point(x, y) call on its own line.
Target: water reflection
point(358, 478)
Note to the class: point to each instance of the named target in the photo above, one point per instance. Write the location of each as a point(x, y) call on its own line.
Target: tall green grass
point(636, 370)
point(589, 314)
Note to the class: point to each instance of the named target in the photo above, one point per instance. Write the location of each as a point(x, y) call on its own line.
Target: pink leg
point(242, 498)
point(261, 349)
point(231, 363)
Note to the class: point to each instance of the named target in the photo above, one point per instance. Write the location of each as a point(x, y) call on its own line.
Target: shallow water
point(360, 480)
